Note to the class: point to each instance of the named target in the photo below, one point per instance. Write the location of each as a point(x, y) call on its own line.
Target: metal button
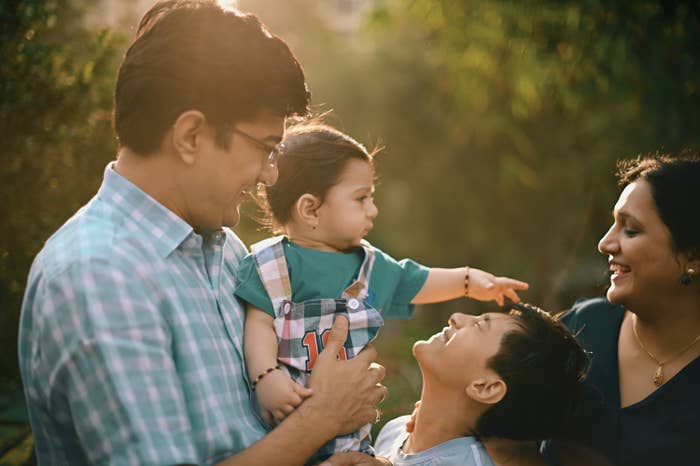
point(353, 304)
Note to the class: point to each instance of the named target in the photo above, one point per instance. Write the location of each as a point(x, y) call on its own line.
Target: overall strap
point(272, 268)
point(360, 287)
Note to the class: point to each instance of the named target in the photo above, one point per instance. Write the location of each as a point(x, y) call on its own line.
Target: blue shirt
point(130, 339)
point(462, 451)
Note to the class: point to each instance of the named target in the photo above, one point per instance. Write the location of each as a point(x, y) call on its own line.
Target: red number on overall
point(313, 348)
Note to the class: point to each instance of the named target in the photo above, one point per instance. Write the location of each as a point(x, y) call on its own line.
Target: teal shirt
point(322, 274)
point(131, 339)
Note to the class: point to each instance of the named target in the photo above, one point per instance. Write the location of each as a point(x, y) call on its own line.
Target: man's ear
point(187, 133)
point(487, 390)
point(307, 209)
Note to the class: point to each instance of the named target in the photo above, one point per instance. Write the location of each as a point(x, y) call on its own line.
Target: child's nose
point(373, 210)
point(459, 320)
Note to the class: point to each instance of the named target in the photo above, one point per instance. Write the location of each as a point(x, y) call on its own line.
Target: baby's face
point(348, 211)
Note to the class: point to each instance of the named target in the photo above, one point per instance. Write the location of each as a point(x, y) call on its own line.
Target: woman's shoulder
point(595, 322)
point(592, 311)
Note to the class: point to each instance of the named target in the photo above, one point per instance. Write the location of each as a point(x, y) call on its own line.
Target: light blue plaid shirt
point(130, 339)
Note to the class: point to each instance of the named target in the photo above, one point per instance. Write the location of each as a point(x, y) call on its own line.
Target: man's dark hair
point(543, 367)
point(198, 55)
point(675, 188)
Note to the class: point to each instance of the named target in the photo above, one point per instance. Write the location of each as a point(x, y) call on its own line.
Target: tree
point(55, 106)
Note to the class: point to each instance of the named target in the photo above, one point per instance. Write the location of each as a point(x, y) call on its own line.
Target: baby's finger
point(268, 417)
point(279, 414)
point(516, 284)
point(302, 391)
point(293, 399)
point(287, 410)
point(512, 295)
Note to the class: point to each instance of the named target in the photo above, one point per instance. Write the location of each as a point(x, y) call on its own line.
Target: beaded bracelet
point(466, 281)
point(263, 374)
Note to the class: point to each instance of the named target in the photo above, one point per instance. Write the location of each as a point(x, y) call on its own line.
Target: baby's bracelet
point(466, 281)
point(263, 374)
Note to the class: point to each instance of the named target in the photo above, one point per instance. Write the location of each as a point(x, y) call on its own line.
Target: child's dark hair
point(313, 156)
point(543, 367)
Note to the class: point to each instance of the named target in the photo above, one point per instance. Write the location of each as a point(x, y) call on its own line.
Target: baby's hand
point(279, 396)
point(484, 286)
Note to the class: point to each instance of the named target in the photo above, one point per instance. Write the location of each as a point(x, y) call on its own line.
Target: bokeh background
point(501, 122)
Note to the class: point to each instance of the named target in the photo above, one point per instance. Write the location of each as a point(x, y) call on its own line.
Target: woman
point(500, 374)
point(644, 382)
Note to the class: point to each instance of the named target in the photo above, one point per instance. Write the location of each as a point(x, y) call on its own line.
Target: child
point(321, 267)
point(516, 375)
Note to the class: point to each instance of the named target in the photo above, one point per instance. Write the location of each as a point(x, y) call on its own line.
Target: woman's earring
point(687, 277)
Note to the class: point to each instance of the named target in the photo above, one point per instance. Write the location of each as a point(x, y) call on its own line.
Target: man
point(130, 337)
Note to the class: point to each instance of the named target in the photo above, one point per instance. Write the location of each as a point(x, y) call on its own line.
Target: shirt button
point(286, 308)
point(353, 304)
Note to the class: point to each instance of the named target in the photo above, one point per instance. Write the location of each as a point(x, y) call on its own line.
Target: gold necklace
point(659, 374)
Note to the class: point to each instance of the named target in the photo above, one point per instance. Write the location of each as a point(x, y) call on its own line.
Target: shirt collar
point(154, 220)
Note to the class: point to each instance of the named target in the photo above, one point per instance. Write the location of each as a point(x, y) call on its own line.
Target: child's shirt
point(318, 274)
point(462, 451)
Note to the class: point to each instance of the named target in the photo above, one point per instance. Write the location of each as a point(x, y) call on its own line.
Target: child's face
point(348, 211)
point(460, 353)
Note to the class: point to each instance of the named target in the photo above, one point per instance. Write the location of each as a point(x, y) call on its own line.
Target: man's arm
point(344, 397)
point(102, 367)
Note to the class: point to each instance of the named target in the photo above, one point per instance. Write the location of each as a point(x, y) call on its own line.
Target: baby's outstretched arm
point(277, 393)
point(445, 284)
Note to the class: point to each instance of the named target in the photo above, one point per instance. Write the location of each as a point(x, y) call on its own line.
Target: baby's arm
point(277, 393)
point(446, 284)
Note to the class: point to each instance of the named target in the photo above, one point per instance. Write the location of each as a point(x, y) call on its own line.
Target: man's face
point(222, 178)
point(460, 353)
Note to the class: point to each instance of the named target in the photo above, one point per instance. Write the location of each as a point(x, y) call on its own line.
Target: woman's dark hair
point(675, 188)
point(198, 55)
point(543, 367)
point(313, 156)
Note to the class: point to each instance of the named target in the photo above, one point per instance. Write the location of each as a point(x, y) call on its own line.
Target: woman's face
point(640, 252)
point(460, 353)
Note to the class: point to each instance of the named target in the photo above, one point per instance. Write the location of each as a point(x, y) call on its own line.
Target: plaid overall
point(303, 328)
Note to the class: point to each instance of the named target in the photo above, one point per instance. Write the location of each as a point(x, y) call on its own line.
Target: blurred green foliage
point(501, 121)
point(56, 84)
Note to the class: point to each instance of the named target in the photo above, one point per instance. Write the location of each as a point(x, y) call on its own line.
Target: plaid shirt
point(130, 338)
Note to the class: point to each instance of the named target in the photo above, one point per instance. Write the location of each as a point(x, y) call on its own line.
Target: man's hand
point(411, 423)
point(354, 458)
point(347, 392)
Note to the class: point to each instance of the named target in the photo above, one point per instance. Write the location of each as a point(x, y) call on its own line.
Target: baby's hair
point(313, 156)
point(543, 366)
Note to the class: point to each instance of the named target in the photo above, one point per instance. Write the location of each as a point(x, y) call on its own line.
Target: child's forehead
point(358, 171)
